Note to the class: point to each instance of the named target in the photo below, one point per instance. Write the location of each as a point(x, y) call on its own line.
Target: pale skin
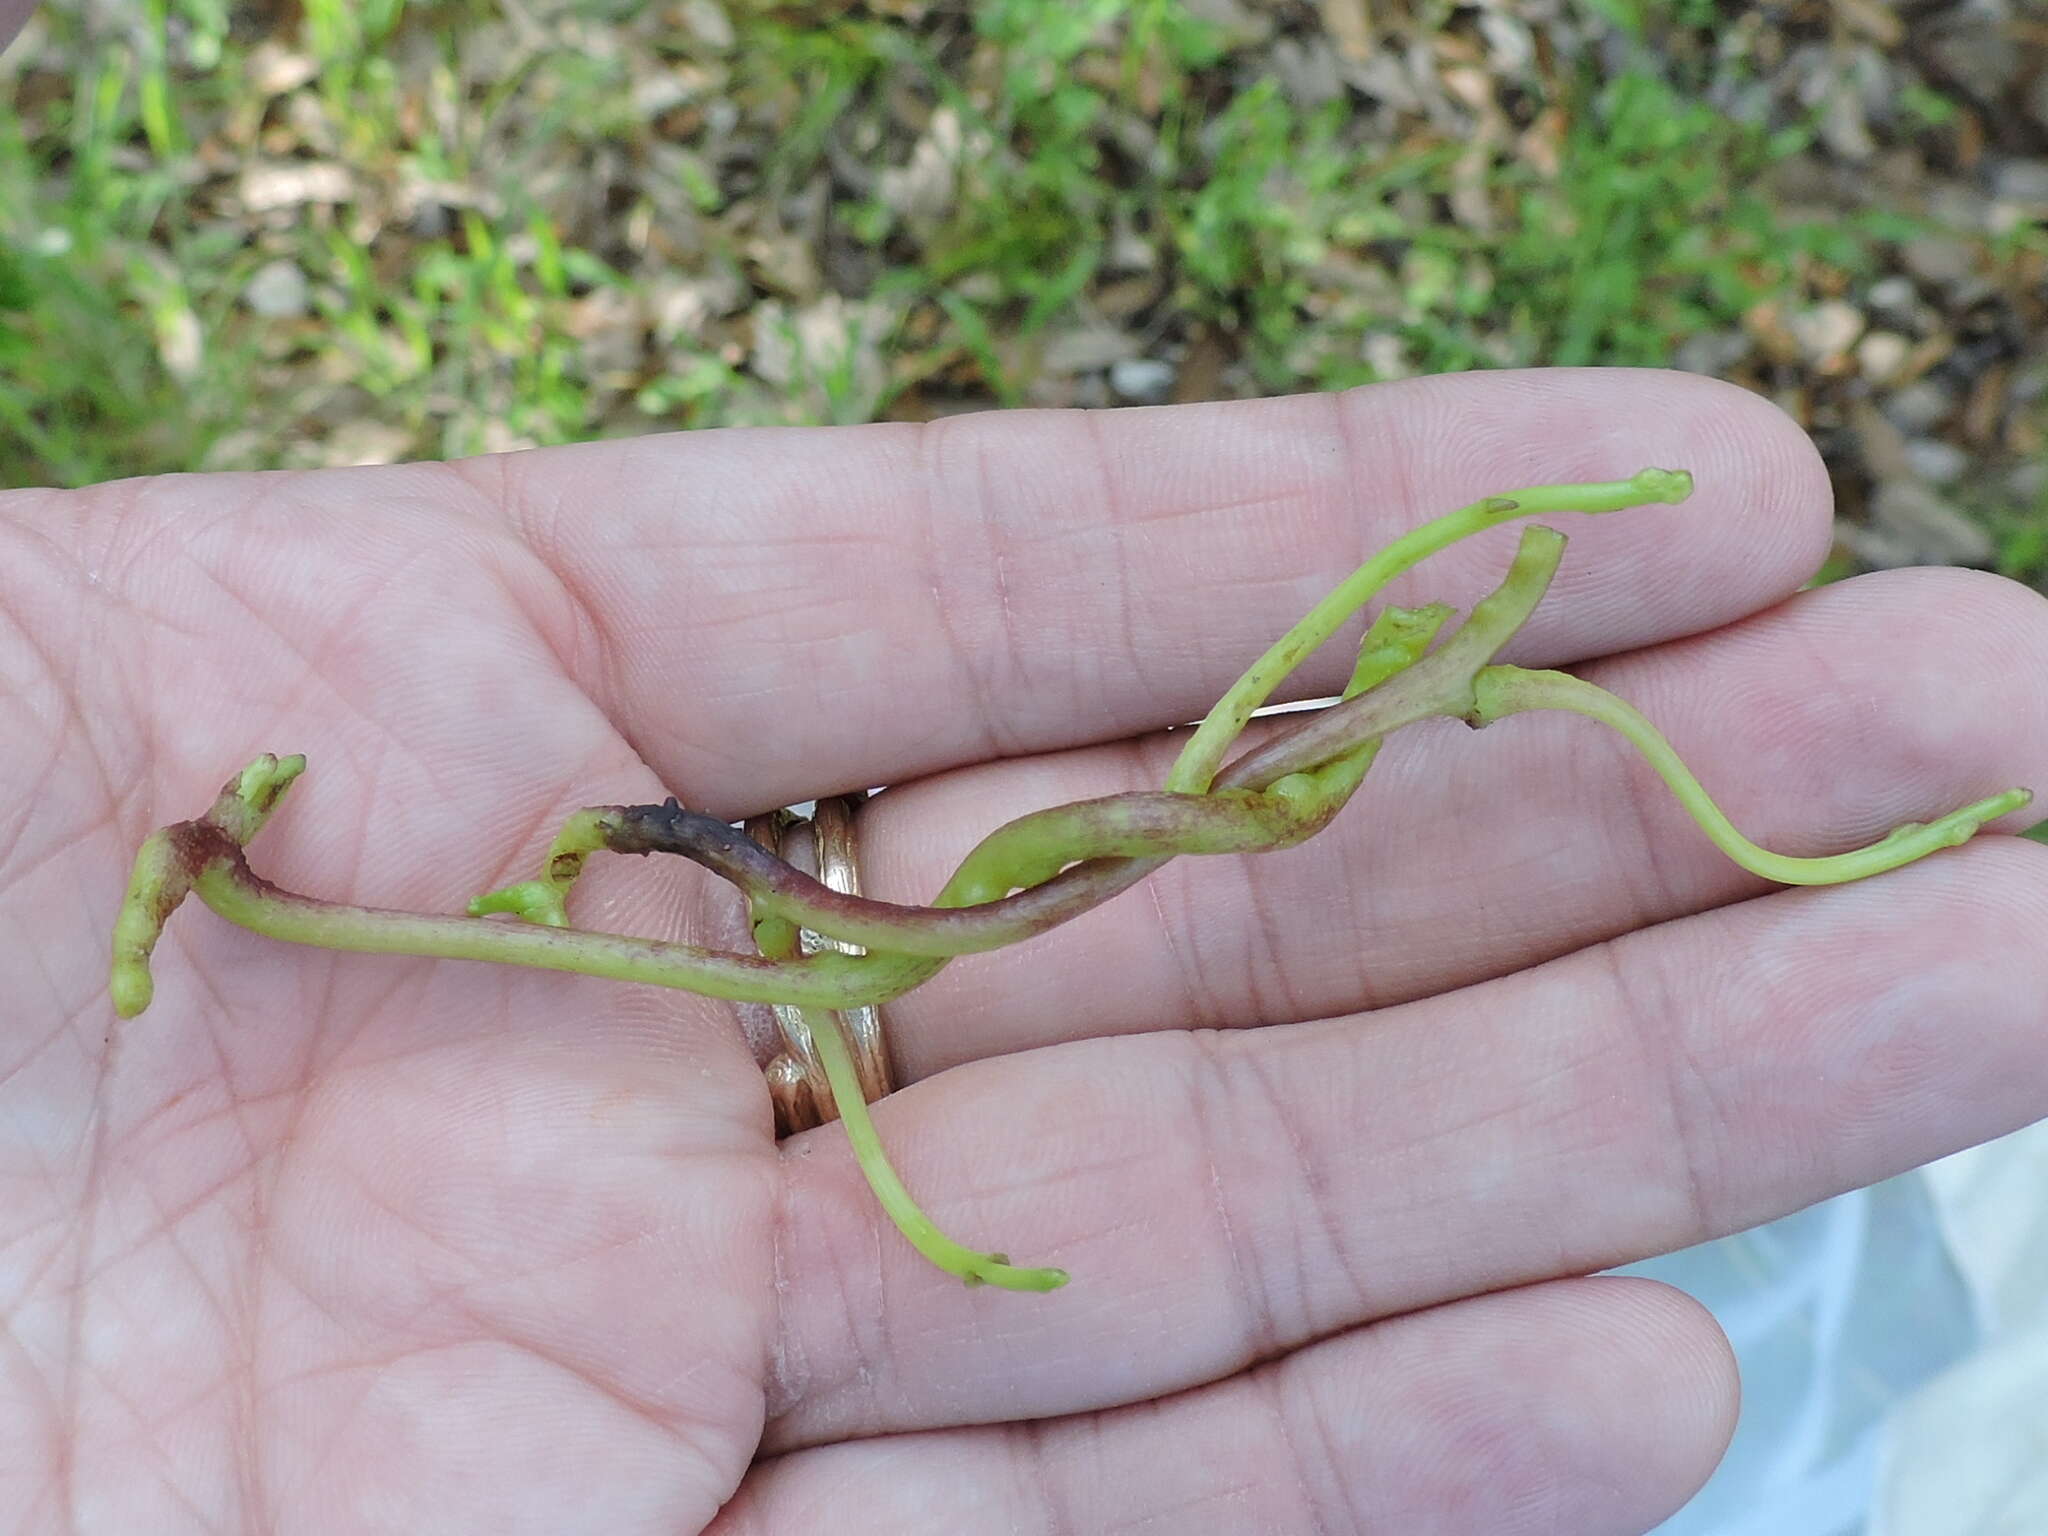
point(361, 1243)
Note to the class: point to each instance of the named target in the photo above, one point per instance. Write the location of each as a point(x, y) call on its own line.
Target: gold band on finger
point(823, 845)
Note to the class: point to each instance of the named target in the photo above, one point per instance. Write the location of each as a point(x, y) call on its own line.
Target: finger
point(12, 14)
point(1221, 1197)
point(784, 614)
point(1818, 726)
point(1589, 1406)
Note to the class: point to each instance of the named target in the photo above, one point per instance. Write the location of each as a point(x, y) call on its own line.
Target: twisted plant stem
point(1504, 691)
point(1204, 751)
point(1290, 786)
point(204, 858)
point(1027, 876)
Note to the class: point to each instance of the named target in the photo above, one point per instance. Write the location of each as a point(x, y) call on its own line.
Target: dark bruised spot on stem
point(167, 866)
point(671, 828)
point(195, 845)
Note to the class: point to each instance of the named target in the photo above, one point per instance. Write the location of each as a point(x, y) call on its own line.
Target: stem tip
point(1666, 485)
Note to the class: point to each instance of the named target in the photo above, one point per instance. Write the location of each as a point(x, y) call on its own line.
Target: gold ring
point(821, 844)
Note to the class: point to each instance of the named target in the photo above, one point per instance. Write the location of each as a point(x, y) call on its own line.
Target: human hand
point(12, 14)
point(369, 1243)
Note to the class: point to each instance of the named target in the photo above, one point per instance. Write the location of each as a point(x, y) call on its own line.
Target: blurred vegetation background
point(328, 232)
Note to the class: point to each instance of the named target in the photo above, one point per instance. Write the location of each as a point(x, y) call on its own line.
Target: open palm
point(358, 1244)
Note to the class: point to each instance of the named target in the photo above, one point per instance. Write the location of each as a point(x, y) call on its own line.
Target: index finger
point(790, 613)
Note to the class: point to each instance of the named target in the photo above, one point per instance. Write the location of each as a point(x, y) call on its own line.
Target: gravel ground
point(507, 224)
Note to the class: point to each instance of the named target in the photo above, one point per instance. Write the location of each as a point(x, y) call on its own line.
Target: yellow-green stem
point(780, 940)
point(1503, 691)
point(1203, 754)
point(974, 1267)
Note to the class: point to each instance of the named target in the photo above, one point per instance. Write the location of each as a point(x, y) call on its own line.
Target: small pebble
point(1977, 52)
point(1880, 356)
point(712, 26)
point(1935, 461)
point(1875, 548)
point(1141, 380)
point(1928, 524)
point(1085, 350)
point(2022, 181)
point(272, 70)
point(1920, 406)
point(1387, 355)
point(278, 291)
point(1939, 260)
point(1894, 300)
point(1711, 352)
point(1308, 71)
point(1826, 331)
